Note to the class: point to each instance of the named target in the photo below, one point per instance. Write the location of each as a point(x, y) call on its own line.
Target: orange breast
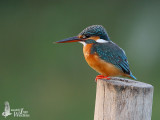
point(101, 66)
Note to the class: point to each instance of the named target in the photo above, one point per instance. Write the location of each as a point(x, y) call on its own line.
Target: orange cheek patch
point(94, 38)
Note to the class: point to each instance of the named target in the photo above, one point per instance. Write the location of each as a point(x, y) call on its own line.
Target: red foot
point(102, 77)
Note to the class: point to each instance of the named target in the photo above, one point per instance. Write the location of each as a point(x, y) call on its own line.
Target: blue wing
point(112, 53)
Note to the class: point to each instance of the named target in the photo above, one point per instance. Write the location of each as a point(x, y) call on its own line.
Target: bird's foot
point(102, 77)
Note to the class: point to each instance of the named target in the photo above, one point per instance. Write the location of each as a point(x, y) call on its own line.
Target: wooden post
point(123, 99)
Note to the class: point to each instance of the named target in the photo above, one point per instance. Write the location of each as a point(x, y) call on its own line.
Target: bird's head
point(91, 34)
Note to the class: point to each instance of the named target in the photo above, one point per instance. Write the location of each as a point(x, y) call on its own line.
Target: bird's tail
point(132, 76)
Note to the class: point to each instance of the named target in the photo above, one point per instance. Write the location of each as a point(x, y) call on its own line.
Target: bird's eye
point(85, 36)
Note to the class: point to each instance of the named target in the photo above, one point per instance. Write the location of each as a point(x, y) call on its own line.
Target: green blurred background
point(53, 81)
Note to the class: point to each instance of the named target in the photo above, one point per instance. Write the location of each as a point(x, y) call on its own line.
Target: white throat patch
point(101, 41)
point(84, 44)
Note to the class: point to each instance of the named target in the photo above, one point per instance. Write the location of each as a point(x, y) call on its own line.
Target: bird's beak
point(71, 39)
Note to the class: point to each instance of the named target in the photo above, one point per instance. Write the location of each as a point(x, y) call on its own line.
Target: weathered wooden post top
point(123, 99)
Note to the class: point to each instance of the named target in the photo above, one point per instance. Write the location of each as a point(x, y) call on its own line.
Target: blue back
point(112, 53)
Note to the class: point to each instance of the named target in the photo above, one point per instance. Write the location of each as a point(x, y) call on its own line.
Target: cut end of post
point(123, 99)
point(123, 82)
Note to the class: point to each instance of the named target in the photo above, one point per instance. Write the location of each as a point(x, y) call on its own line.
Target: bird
point(6, 110)
point(101, 54)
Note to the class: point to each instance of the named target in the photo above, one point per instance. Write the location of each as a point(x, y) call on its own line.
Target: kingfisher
point(101, 54)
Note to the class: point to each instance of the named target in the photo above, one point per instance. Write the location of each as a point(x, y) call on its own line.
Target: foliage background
point(53, 81)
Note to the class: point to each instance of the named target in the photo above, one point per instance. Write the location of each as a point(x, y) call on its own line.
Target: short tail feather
point(132, 76)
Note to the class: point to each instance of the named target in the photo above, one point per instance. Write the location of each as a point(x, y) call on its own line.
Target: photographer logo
point(19, 112)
